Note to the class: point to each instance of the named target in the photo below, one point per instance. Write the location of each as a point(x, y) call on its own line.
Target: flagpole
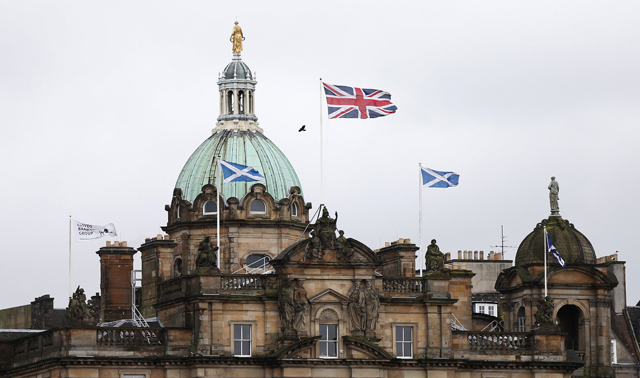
point(69, 256)
point(420, 217)
point(546, 250)
point(218, 218)
point(321, 151)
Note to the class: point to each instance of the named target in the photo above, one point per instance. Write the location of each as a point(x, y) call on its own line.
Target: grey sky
point(102, 103)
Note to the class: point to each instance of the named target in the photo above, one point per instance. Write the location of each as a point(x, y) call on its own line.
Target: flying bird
point(302, 128)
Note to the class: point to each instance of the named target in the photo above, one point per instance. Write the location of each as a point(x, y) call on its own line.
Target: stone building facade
point(247, 283)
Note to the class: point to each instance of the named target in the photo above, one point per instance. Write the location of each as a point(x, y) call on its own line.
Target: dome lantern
point(237, 139)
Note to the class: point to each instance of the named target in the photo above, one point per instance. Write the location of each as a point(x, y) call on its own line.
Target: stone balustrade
point(509, 346)
point(130, 336)
point(498, 341)
point(99, 342)
point(403, 285)
point(215, 284)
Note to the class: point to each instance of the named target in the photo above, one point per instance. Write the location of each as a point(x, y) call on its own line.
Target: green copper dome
point(242, 147)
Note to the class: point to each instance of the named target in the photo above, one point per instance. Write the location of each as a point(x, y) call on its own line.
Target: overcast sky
point(102, 103)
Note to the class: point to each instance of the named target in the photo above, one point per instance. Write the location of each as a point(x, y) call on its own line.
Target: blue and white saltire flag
point(553, 251)
point(353, 102)
point(438, 179)
point(233, 172)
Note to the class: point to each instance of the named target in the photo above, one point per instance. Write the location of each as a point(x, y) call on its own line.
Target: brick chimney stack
point(116, 265)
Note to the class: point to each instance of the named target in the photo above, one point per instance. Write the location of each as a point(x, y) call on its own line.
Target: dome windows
point(258, 207)
point(210, 207)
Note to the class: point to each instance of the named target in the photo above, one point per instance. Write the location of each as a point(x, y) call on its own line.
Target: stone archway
point(571, 319)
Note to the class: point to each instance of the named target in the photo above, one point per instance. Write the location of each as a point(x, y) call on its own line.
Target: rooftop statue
point(78, 311)
point(554, 189)
point(544, 316)
point(236, 38)
point(207, 257)
point(433, 259)
point(326, 229)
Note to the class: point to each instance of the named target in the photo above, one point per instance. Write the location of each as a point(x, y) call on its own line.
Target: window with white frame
point(614, 352)
point(404, 341)
point(486, 308)
point(329, 340)
point(242, 340)
point(210, 207)
point(258, 207)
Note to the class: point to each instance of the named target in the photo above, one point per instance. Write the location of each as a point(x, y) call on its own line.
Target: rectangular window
point(614, 352)
point(329, 340)
point(481, 309)
point(521, 325)
point(242, 340)
point(491, 310)
point(404, 342)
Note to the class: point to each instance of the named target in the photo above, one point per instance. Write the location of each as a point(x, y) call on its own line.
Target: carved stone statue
point(207, 257)
point(237, 37)
point(326, 229)
point(372, 300)
point(286, 308)
point(554, 189)
point(544, 316)
point(356, 309)
point(78, 311)
point(313, 250)
point(344, 251)
point(433, 259)
point(300, 303)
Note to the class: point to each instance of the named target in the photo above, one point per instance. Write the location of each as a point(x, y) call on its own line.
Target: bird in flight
point(302, 128)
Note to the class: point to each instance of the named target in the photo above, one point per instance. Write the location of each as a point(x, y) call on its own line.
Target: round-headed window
point(177, 267)
point(294, 210)
point(258, 207)
point(258, 261)
point(210, 207)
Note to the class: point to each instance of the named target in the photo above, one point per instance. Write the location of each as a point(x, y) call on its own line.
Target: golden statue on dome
point(237, 38)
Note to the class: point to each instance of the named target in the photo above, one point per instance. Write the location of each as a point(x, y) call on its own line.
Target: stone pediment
point(360, 254)
point(328, 295)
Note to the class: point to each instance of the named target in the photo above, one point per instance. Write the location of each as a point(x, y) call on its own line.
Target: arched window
point(230, 102)
point(250, 105)
point(258, 261)
point(177, 267)
point(294, 210)
point(258, 207)
point(210, 207)
point(241, 102)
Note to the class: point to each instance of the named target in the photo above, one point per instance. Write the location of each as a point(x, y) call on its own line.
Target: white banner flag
point(85, 231)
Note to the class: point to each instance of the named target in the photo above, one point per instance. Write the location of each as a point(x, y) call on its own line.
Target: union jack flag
point(353, 102)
